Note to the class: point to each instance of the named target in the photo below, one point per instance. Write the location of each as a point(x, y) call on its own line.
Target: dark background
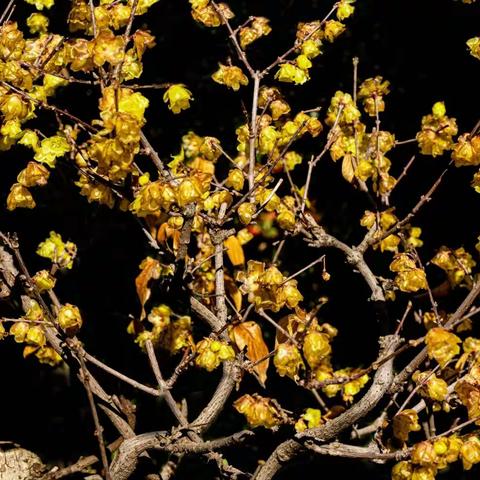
point(419, 46)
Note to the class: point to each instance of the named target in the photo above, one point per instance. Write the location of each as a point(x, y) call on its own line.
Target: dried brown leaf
point(249, 335)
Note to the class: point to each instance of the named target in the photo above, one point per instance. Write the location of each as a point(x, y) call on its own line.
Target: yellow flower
point(44, 281)
point(37, 23)
point(288, 361)
point(133, 103)
point(52, 82)
point(33, 311)
point(108, 48)
point(349, 112)
point(41, 4)
point(371, 92)
point(232, 77)
point(292, 159)
point(286, 218)
point(188, 191)
point(207, 14)
point(431, 386)
point(235, 179)
point(11, 129)
point(332, 29)
point(19, 197)
point(179, 335)
point(312, 418)
point(345, 9)
point(14, 107)
point(303, 62)
point(424, 454)
point(436, 132)
point(69, 319)
point(95, 191)
point(57, 251)
point(259, 411)
point(409, 278)
point(267, 139)
point(456, 263)
point(50, 149)
point(144, 5)
point(178, 98)
point(466, 151)
point(246, 211)
point(258, 28)
point(35, 174)
point(442, 345)
point(290, 73)
point(29, 139)
point(470, 452)
point(3, 332)
point(316, 347)
point(402, 471)
point(414, 237)
point(48, 356)
point(311, 48)
point(36, 336)
point(474, 45)
point(19, 331)
point(210, 353)
point(404, 423)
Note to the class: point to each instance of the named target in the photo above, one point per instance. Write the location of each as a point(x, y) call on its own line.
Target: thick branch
point(124, 464)
point(381, 383)
point(343, 450)
point(405, 374)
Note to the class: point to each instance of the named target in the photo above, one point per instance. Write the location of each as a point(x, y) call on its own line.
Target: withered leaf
point(249, 334)
point(348, 170)
point(151, 269)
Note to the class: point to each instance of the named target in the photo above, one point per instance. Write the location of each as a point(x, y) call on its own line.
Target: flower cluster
point(409, 277)
point(310, 37)
point(211, 353)
point(429, 457)
point(259, 411)
point(457, 264)
point(267, 288)
point(30, 330)
point(437, 131)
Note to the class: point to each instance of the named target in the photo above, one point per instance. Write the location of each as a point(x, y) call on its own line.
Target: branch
point(343, 450)
point(381, 383)
point(98, 427)
point(125, 462)
point(319, 238)
point(404, 375)
point(424, 199)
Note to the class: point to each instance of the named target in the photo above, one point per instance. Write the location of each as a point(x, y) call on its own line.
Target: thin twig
point(98, 426)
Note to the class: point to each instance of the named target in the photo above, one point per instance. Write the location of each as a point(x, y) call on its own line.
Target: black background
point(419, 46)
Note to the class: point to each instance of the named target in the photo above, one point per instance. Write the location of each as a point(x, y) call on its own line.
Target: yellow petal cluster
point(230, 76)
point(259, 411)
point(267, 288)
point(437, 132)
point(59, 252)
point(442, 345)
point(211, 353)
point(409, 277)
point(178, 98)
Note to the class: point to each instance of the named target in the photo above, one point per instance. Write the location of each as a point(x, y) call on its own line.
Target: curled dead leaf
point(150, 269)
point(249, 335)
